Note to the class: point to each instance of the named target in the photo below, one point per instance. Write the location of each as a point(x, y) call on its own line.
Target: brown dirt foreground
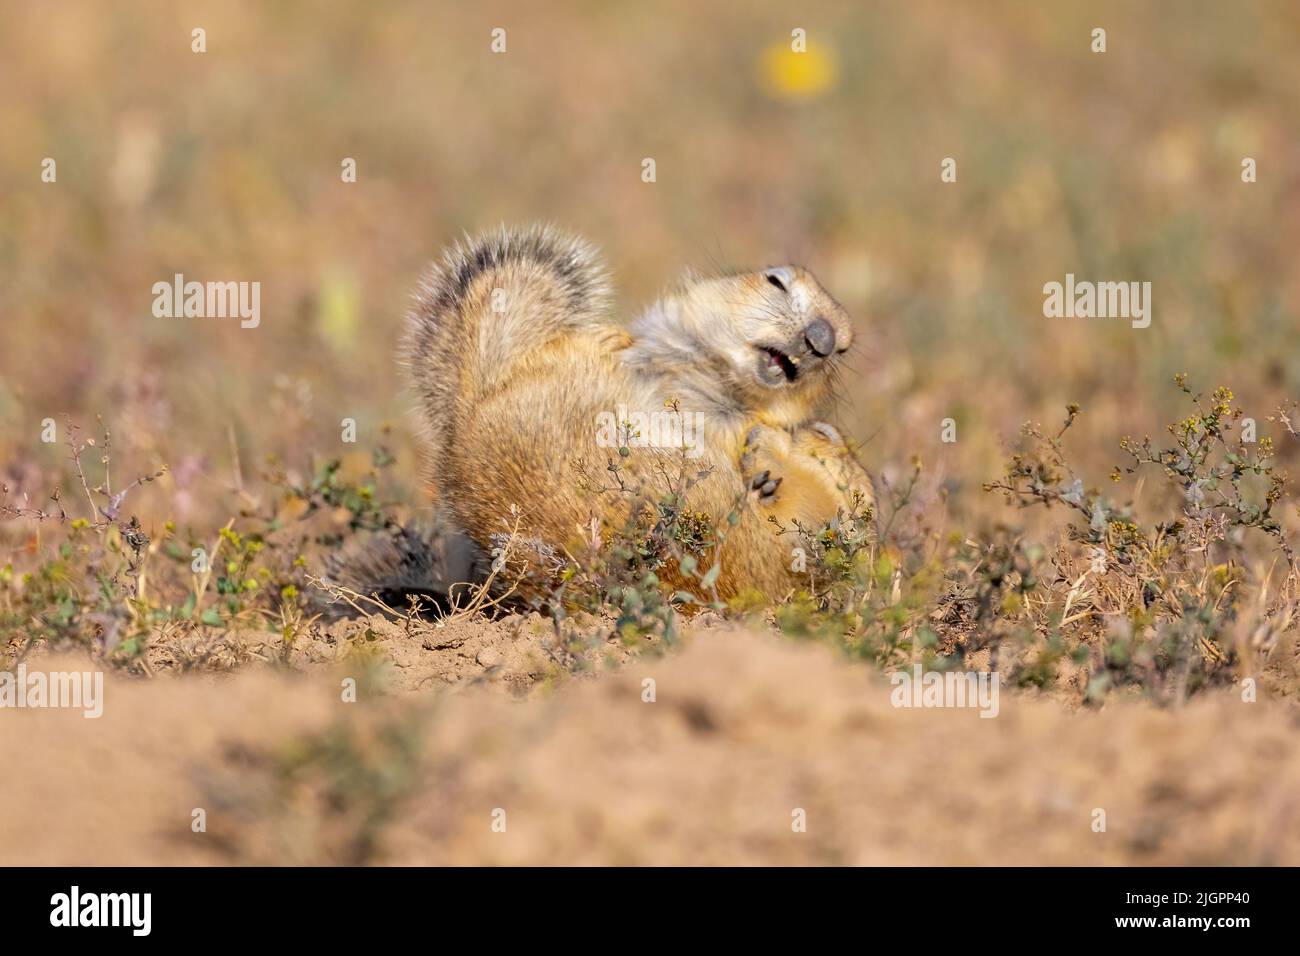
point(745, 729)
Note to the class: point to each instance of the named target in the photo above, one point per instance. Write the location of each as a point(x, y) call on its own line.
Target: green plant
point(1162, 602)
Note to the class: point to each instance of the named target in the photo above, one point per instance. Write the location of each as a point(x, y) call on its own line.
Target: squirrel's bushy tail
point(491, 301)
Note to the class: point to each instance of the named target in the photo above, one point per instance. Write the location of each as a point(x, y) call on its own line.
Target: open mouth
point(775, 365)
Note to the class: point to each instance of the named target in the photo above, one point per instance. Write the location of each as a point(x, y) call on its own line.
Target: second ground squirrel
point(517, 358)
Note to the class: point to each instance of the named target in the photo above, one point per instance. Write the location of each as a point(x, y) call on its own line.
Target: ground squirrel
point(516, 358)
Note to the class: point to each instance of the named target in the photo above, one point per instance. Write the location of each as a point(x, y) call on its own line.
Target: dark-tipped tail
point(493, 301)
point(420, 565)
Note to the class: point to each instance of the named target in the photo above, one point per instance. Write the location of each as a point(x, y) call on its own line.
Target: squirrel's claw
point(765, 485)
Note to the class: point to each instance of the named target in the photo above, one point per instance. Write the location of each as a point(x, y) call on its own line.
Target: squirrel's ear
point(828, 432)
point(615, 339)
point(782, 277)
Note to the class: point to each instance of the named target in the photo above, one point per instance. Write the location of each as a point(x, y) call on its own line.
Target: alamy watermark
point(974, 689)
point(669, 428)
point(209, 300)
point(1099, 300)
point(61, 689)
point(75, 908)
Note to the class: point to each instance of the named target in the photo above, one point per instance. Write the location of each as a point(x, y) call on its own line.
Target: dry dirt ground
point(481, 752)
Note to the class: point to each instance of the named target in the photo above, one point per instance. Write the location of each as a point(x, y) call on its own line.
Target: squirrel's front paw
point(822, 443)
point(761, 463)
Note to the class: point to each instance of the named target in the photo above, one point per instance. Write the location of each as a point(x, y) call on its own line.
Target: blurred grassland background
point(226, 166)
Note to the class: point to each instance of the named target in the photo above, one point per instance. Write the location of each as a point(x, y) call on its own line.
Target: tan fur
point(510, 398)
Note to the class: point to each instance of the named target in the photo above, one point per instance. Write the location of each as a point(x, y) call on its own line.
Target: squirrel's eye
point(774, 278)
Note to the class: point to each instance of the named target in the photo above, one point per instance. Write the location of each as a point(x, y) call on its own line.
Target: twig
point(76, 460)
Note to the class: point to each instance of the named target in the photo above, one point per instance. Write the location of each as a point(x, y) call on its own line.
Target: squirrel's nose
point(820, 337)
